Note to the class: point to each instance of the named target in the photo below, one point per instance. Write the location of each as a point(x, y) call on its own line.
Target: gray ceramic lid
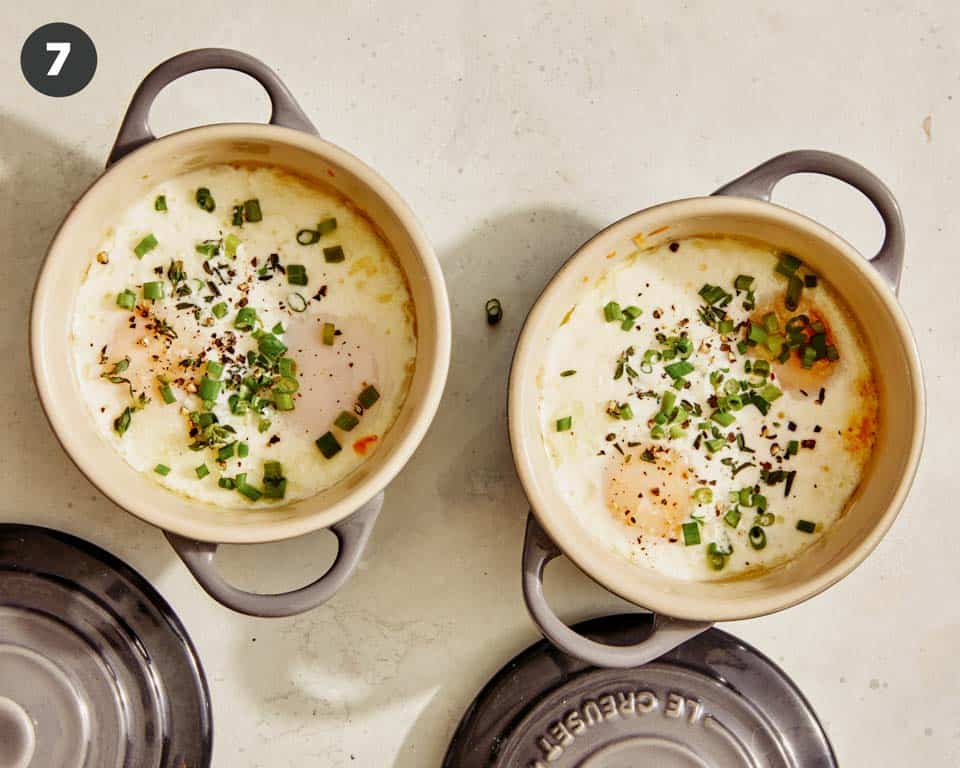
point(96, 671)
point(714, 701)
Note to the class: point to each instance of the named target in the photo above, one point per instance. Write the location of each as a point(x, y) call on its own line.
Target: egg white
point(366, 297)
point(665, 284)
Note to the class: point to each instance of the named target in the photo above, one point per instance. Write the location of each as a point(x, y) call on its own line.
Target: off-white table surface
point(515, 131)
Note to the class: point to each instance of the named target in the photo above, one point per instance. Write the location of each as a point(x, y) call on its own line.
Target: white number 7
point(63, 50)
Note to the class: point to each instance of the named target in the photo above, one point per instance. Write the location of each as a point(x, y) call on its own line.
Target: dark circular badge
point(58, 59)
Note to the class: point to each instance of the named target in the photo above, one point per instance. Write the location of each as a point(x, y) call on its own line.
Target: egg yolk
point(656, 496)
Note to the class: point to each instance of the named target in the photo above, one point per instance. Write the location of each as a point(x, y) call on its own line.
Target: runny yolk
point(655, 497)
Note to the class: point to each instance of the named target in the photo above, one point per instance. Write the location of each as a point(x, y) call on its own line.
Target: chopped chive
point(329, 329)
point(723, 418)
point(274, 483)
point(333, 254)
point(226, 482)
point(219, 310)
point(246, 319)
point(287, 384)
point(230, 244)
point(771, 322)
point(806, 526)
point(214, 369)
point(691, 534)
point(626, 412)
point(743, 282)
point(788, 264)
point(272, 470)
point(243, 450)
point(126, 299)
point(632, 312)
point(287, 367)
point(307, 236)
point(794, 289)
point(564, 423)
point(296, 274)
point(208, 389)
point(568, 372)
point(251, 210)
point(248, 490)
point(612, 312)
point(368, 396)
point(153, 290)
point(202, 471)
point(160, 204)
point(770, 393)
point(679, 369)
point(237, 216)
point(271, 346)
point(147, 244)
point(758, 537)
point(792, 447)
point(208, 248)
point(326, 226)
point(227, 451)
point(703, 495)
point(277, 329)
point(162, 469)
point(205, 200)
point(297, 302)
point(715, 560)
point(725, 326)
point(167, 393)
point(328, 445)
point(346, 421)
point(282, 401)
point(732, 518)
point(715, 444)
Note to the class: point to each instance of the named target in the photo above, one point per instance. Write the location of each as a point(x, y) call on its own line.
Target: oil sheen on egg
point(364, 297)
point(679, 482)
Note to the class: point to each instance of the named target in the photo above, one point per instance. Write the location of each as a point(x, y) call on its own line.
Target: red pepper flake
point(361, 445)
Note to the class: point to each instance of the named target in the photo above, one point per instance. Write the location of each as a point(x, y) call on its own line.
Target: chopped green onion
point(762, 405)
point(277, 329)
point(832, 354)
point(758, 537)
point(770, 393)
point(626, 412)
point(627, 324)
point(274, 483)
point(771, 323)
point(806, 526)
point(251, 210)
point(208, 248)
point(263, 425)
point(271, 346)
point(230, 243)
point(237, 219)
point(564, 423)
point(732, 518)
point(679, 369)
point(205, 200)
point(283, 401)
point(725, 326)
point(202, 471)
point(612, 312)
point(219, 310)
point(153, 290)
point(160, 204)
point(328, 445)
point(368, 396)
point(333, 254)
point(126, 299)
point(723, 548)
point(792, 447)
point(209, 389)
point(307, 236)
point(765, 519)
point(243, 450)
point(296, 274)
point(227, 451)
point(297, 302)
point(246, 319)
point(632, 312)
point(286, 384)
point(794, 289)
point(162, 469)
point(809, 357)
point(703, 495)
point(714, 294)
point(167, 393)
point(248, 490)
point(723, 418)
point(757, 334)
point(494, 311)
point(329, 329)
point(716, 561)
point(287, 367)
point(326, 226)
point(691, 534)
point(226, 482)
point(346, 421)
point(788, 264)
point(214, 369)
point(272, 470)
point(147, 244)
point(568, 372)
point(715, 444)
point(743, 282)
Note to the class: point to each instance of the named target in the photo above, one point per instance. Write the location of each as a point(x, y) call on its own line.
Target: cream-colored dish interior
point(297, 153)
point(887, 477)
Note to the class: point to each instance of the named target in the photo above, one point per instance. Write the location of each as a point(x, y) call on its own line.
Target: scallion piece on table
point(806, 526)
point(251, 210)
point(612, 312)
point(307, 236)
point(564, 423)
point(126, 299)
point(333, 254)
point(346, 421)
point(329, 330)
point(160, 204)
point(147, 244)
point(162, 469)
point(219, 310)
point(328, 445)
point(202, 471)
point(205, 200)
point(296, 274)
point(691, 534)
point(326, 226)
point(153, 290)
point(368, 396)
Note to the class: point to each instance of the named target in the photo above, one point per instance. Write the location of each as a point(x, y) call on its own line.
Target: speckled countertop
point(515, 132)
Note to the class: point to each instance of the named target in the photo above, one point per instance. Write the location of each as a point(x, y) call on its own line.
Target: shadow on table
point(40, 179)
point(435, 608)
